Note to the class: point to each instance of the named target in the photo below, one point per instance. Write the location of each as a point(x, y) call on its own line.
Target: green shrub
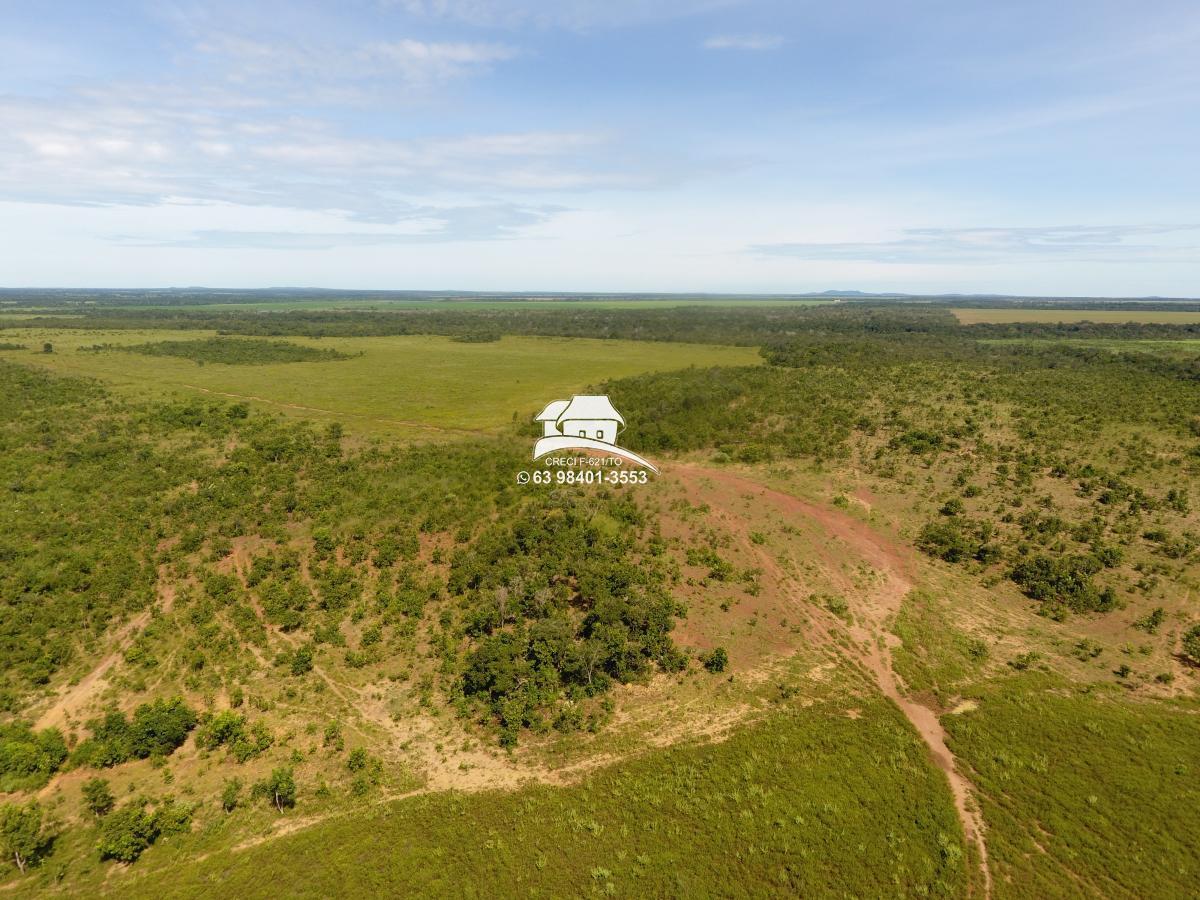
point(229, 729)
point(279, 789)
point(231, 794)
point(98, 797)
point(1191, 644)
point(1066, 580)
point(302, 660)
point(126, 833)
point(157, 729)
point(1150, 622)
point(173, 817)
point(947, 541)
point(28, 758)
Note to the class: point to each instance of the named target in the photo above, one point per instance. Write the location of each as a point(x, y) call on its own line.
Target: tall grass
point(807, 803)
point(1085, 792)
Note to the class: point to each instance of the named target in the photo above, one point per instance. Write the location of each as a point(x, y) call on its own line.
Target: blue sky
point(717, 145)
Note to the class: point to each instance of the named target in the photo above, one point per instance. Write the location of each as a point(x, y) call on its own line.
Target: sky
point(757, 146)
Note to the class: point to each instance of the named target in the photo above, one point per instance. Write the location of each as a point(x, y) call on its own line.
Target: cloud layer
point(1108, 243)
point(744, 42)
point(690, 144)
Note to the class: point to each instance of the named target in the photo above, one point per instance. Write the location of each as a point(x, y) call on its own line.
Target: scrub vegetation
point(244, 647)
point(232, 351)
point(863, 814)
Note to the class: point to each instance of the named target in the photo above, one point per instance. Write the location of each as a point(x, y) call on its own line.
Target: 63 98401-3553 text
point(586, 476)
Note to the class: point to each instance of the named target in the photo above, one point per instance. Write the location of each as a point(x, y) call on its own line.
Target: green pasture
point(398, 384)
point(1085, 792)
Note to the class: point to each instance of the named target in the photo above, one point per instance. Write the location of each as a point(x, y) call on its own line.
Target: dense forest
point(232, 352)
point(724, 324)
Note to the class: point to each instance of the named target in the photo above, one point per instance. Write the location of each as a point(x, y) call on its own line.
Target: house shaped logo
point(585, 422)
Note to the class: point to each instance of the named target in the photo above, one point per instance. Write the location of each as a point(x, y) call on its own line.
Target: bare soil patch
point(853, 540)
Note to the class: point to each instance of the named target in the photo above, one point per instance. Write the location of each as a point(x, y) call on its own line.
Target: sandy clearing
point(74, 698)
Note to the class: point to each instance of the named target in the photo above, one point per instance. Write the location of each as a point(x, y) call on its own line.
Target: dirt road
point(873, 642)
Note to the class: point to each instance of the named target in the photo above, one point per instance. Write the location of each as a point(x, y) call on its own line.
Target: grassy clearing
point(1118, 316)
point(934, 656)
point(1084, 790)
point(396, 380)
point(857, 810)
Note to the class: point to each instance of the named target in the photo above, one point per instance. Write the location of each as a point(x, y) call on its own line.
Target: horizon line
point(632, 294)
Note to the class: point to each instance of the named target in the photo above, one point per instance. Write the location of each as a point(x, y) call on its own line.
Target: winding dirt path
point(872, 639)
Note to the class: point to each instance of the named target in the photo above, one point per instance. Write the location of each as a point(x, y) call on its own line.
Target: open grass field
point(1066, 316)
point(1064, 776)
point(1067, 777)
point(390, 386)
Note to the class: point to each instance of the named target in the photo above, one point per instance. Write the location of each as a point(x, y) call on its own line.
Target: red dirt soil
point(872, 639)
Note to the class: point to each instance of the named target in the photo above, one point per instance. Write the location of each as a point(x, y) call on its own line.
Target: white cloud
point(571, 14)
point(419, 60)
point(137, 147)
point(743, 42)
point(291, 64)
point(1094, 243)
point(421, 224)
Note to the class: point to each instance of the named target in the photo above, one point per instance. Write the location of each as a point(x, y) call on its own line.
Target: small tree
point(1191, 644)
point(229, 796)
point(21, 831)
point(97, 796)
point(279, 789)
point(127, 832)
point(357, 760)
point(302, 660)
point(717, 660)
point(47, 347)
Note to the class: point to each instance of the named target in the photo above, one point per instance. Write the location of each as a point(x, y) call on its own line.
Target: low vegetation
point(865, 814)
point(221, 618)
point(235, 351)
point(1086, 781)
